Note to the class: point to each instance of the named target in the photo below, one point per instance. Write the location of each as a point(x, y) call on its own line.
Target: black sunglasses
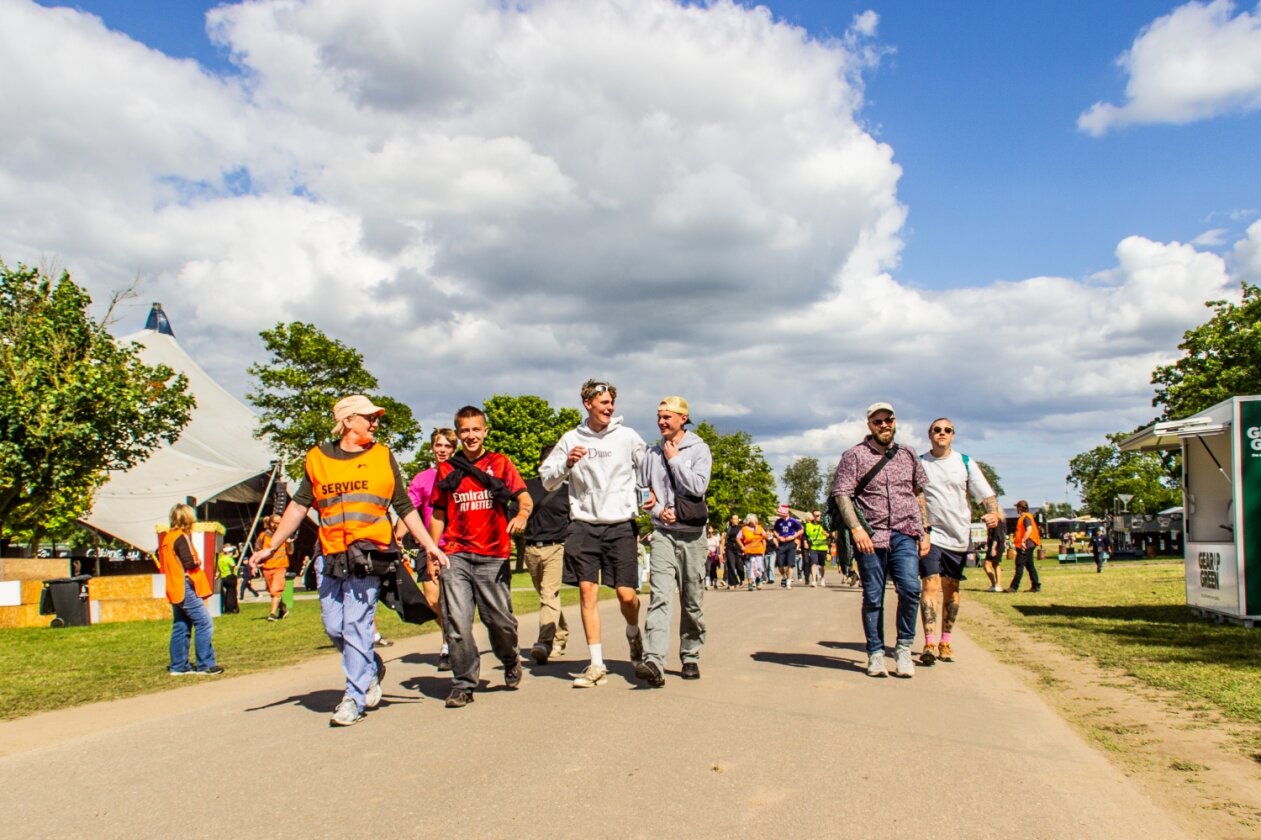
point(884, 421)
point(939, 429)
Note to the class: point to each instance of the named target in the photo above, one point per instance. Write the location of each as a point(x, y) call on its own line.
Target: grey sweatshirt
point(690, 469)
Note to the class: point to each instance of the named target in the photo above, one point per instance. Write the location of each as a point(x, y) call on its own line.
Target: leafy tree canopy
point(522, 427)
point(742, 481)
point(1105, 472)
point(1222, 359)
point(295, 392)
point(75, 403)
point(804, 483)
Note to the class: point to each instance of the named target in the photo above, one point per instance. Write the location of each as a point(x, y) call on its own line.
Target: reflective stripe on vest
point(352, 497)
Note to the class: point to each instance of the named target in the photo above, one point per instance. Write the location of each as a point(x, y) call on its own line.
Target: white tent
point(216, 452)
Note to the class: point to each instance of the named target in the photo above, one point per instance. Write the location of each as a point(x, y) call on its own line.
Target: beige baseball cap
point(348, 407)
point(674, 403)
point(879, 406)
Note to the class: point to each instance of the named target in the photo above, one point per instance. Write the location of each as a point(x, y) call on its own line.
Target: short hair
point(750, 519)
point(183, 517)
point(446, 434)
point(939, 419)
point(467, 412)
point(593, 388)
point(1022, 505)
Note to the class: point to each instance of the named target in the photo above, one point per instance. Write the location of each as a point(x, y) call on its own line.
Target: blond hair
point(446, 434)
point(183, 517)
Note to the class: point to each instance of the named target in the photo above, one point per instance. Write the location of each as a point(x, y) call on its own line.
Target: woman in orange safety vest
point(186, 588)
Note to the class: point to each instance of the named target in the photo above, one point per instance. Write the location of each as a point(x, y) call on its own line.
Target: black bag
point(688, 509)
point(400, 593)
point(888, 456)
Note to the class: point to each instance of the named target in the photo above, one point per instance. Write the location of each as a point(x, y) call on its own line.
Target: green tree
point(1222, 359)
point(522, 427)
point(1105, 472)
point(804, 483)
point(741, 481)
point(75, 403)
point(991, 475)
point(296, 390)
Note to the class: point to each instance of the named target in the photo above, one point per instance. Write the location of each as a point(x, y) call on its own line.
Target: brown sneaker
point(929, 656)
point(945, 653)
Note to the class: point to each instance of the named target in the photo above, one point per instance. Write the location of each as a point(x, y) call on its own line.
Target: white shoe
point(875, 665)
point(346, 714)
point(592, 675)
point(905, 665)
point(790, 584)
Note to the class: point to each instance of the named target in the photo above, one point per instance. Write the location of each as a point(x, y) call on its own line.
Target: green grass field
point(1134, 617)
point(43, 668)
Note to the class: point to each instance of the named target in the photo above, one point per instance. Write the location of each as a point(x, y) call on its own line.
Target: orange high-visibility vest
point(351, 498)
point(1027, 528)
point(173, 569)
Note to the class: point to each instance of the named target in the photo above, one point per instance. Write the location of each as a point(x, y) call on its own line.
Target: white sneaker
point(790, 584)
point(346, 714)
point(372, 698)
point(875, 665)
point(905, 665)
point(592, 675)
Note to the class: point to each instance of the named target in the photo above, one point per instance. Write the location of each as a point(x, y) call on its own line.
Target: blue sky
point(679, 198)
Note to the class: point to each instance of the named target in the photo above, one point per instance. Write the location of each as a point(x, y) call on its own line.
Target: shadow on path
point(805, 660)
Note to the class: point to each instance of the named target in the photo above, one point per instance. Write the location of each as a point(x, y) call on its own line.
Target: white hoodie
point(602, 485)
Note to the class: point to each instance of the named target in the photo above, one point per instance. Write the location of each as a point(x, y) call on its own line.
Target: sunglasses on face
point(883, 421)
point(371, 419)
point(938, 430)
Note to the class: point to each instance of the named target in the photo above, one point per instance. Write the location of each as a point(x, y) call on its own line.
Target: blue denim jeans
point(348, 607)
point(190, 617)
point(900, 561)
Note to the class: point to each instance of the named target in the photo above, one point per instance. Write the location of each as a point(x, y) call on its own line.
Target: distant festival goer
point(732, 555)
point(276, 567)
point(753, 544)
point(187, 587)
point(1027, 541)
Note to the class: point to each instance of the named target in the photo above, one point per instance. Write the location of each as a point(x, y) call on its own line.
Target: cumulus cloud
point(508, 198)
point(1248, 254)
point(1197, 62)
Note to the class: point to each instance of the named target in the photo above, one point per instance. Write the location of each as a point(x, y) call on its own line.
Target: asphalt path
point(784, 735)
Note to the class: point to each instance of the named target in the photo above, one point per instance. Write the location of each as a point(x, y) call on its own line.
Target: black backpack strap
point(888, 456)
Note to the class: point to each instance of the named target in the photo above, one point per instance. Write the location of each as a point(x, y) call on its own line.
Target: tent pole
point(271, 481)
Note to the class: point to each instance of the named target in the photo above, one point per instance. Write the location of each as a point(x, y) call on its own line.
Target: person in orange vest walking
point(1027, 541)
point(276, 567)
point(186, 588)
point(352, 482)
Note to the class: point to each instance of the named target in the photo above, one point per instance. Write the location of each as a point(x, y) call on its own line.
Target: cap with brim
point(348, 407)
point(880, 406)
point(674, 403)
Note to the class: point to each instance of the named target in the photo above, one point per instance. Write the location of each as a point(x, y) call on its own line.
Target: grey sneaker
point(592, 675)
point(636, 647)
point(905, 666)
point(373, 698)
point(346, 714)
point(875, 665)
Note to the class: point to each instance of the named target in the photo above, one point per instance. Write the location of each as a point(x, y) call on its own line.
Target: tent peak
point(158, 322)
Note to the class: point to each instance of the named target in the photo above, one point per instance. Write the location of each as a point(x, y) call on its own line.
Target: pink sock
point(945, 638)
point(930, 640)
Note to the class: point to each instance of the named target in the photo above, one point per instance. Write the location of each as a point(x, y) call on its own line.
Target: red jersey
point(475, 524)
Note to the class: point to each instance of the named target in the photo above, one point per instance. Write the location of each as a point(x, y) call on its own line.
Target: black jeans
point(1024, 558)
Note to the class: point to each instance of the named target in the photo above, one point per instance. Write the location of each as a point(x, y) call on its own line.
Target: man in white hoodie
point(677, 473)
point(601, 459)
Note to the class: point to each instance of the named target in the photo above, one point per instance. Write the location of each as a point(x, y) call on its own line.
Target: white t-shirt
point(947, 497)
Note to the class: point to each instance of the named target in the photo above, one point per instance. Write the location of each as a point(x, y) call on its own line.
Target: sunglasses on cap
point(883, 421)
point(937, 430)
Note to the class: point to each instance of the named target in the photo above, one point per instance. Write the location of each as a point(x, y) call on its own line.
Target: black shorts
point(602, 554)
point(944, 562)
point(785, 556)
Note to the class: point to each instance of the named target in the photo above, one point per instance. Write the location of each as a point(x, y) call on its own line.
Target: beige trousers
point(544, 564)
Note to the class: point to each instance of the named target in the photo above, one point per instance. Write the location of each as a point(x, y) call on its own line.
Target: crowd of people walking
point(894, 517)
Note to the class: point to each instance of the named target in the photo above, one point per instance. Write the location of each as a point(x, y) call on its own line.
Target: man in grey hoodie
point(676, 470)
point(601, 458)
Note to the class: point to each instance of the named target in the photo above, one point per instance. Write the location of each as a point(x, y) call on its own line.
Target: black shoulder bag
point(462, 466)
point(865, 480)
point(689, 510)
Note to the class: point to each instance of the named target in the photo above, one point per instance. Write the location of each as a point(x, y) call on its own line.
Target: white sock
point(632, 630)
point(597, 654)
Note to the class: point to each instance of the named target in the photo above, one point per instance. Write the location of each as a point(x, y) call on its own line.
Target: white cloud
point(1248, 254)
point(1199, 61)
point(510, 198)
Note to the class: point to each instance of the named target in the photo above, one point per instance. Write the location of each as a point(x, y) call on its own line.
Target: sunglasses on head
point(883, 421)
point(937, 430)
point(596, 390)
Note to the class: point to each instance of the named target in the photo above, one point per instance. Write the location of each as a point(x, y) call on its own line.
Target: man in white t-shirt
point(951, 475)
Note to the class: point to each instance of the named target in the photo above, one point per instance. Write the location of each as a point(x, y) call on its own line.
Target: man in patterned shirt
point(889, 524)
